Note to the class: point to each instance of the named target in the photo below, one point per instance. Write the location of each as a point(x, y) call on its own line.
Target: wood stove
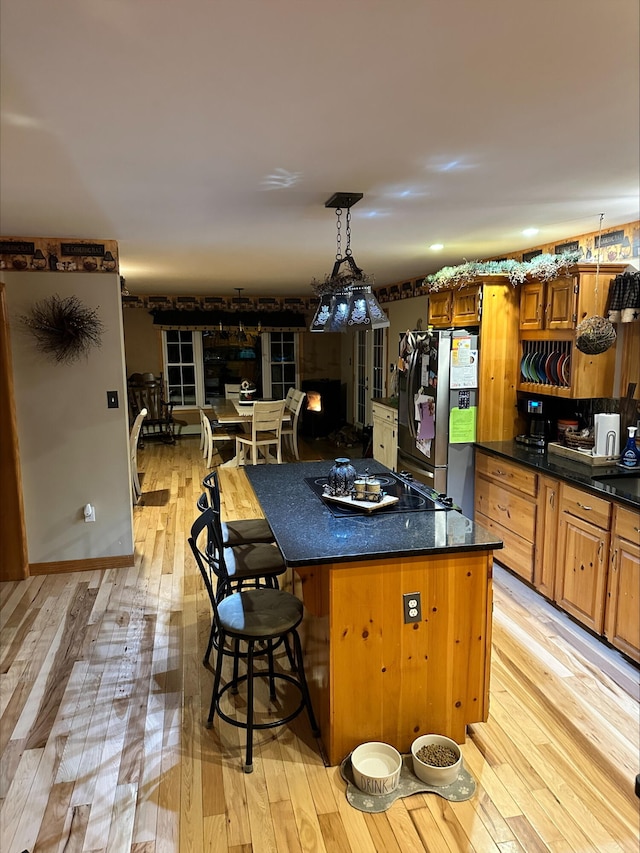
point(322, 410)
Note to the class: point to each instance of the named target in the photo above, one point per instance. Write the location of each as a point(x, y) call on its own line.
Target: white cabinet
point(385, 435)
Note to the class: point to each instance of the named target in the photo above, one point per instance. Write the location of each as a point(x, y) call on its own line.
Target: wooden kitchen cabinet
point(583, 556)
point(385, 435)
point(466, 306)
point(549, 305)
point(505, 504)
point(622, 623)
point(458, 308)
point(549, 314)
point(577, 549)
point(544, 570)
point(440, 308)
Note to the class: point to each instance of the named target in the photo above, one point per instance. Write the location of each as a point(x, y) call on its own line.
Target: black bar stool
point(237, 567)
point(262, 619)
point(239, 532)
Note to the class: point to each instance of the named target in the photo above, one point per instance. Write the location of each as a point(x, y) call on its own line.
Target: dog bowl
point(376, 767)
point(432, 774)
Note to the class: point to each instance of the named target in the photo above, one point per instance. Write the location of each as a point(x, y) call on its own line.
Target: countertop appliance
point(412, 497)
point(433, 362)
point(537, 437)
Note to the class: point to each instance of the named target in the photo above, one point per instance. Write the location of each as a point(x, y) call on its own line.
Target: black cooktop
point(412, 497)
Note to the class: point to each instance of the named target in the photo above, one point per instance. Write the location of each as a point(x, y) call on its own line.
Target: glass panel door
point(369, 373)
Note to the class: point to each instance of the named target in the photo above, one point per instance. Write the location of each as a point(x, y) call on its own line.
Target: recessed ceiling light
point(530, 232)
point(435, 247)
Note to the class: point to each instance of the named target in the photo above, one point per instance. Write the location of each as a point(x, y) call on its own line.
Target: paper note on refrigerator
point(464, 369)
point(462, 425)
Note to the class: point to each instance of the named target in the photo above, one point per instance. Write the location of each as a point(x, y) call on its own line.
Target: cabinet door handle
point(637, 529)
point(499, 473)
point(584, 506)
point(552, 500)
point(614, 560)
point(600, 547)
point(503, 509)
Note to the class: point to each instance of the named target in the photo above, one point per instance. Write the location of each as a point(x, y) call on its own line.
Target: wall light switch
point(112, 399)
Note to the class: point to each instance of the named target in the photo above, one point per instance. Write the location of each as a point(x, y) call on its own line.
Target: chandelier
point(346, 300)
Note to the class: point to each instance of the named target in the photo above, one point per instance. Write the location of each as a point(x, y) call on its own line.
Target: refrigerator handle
point(411, 389)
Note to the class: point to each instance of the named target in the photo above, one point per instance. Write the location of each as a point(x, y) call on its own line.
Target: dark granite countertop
point(307, 532)
point(572, 472)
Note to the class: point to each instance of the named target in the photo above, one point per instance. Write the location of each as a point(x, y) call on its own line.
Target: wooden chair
point(266, 432)
point(260, 619)
point(209, 436)
point(232, 392)
point(291, 432)
point(134, 435)
point(146, 391)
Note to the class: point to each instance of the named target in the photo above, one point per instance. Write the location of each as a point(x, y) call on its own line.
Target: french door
point(369, 359)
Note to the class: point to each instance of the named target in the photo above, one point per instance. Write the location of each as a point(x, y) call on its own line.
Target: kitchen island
point(372, 675)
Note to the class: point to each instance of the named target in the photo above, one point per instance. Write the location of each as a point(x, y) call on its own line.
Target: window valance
point(212, 320)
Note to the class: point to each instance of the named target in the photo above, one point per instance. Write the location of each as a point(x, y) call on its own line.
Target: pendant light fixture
point(346, 300)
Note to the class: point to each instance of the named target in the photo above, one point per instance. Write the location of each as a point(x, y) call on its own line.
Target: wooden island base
point(373, 677)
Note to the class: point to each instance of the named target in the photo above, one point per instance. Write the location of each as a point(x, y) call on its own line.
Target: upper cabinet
point(550, 363)
point(456, 308)
point(551, 305)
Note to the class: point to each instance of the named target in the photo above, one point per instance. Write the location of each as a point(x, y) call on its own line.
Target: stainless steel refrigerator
point(428, 406)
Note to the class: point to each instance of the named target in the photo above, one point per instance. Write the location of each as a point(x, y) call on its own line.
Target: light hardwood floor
point(103, 697)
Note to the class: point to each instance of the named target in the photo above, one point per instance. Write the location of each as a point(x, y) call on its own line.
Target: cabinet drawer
point(502, 471)
point(385, 413)
point(584, 505)
point(514, 511)
point(626, 524)
point(517, 554)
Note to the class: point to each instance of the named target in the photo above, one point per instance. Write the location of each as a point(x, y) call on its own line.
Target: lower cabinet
point(544, 570)
point(583, 556)
point(621, 623)
point(385, 435)
point(577, 549)
point(505, 505)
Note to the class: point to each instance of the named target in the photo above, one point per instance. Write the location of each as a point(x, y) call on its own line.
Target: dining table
point(229, 411)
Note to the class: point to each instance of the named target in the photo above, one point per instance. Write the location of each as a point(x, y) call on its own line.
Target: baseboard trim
point(61, 566)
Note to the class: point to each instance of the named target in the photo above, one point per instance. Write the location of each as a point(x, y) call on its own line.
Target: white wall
point(73, 449)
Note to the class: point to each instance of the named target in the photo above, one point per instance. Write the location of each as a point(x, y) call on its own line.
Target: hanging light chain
point(338, 234)
point(347, 251)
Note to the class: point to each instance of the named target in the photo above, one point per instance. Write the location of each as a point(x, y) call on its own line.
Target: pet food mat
point(463, 788)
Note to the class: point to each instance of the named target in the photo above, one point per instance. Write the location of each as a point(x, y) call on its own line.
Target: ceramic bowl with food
point(437, 760)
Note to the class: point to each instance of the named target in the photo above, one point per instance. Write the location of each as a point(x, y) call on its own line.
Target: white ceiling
point(206, 135)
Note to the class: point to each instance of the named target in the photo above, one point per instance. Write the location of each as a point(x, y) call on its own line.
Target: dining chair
point(210, 436)
point(290, 431)
point(261, 619)
point(242, 531)
point(134, 435)
point(289, 398)
point(266, 432)
point(232, 392)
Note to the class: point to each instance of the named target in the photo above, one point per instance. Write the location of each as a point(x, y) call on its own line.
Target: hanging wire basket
point(595, 335)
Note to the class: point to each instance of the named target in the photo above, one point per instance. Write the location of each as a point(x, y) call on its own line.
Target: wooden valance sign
point(55, 254)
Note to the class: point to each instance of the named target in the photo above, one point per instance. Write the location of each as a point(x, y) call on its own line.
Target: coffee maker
point(539, 427)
